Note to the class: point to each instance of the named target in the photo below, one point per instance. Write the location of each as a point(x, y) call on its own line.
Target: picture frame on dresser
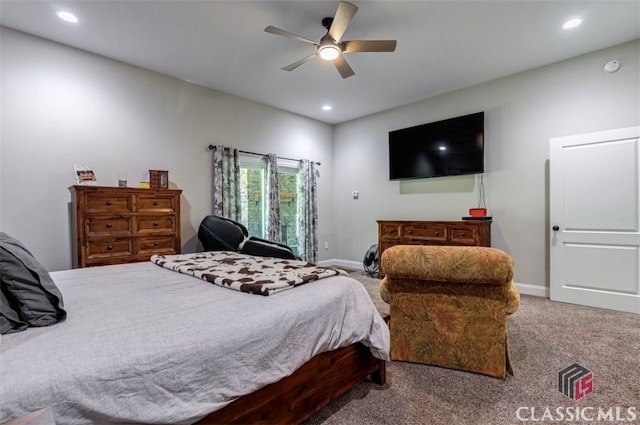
point(116, 225)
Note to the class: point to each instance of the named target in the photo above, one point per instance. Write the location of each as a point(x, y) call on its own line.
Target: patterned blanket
point(246, 273)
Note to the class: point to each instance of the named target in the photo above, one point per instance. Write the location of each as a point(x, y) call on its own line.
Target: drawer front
point(464, 235)
point(155, 203)
point(389, 231)
point(111, 248)
point(153, 224)
point(165, 245)
point(114, 225)
point(108, 203)
point(429, 232)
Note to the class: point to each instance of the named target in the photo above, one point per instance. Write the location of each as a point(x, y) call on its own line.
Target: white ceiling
point(442, 45)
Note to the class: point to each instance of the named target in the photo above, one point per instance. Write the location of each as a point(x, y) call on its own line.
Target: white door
point(594, 218)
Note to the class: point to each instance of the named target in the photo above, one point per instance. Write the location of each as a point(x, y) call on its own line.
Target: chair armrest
point(450, 264)
point(513, 298)
point(384, 290)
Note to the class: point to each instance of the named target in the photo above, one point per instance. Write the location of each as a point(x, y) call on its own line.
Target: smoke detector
point(612, 66)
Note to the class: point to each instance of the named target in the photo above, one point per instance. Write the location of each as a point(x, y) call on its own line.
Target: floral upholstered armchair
point(449, 305)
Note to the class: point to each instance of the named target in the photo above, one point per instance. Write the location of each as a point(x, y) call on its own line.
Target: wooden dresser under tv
point(115, 225)
point(412, 232)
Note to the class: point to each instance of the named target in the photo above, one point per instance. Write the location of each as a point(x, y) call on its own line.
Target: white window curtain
point(226, 182)
point(308, 211)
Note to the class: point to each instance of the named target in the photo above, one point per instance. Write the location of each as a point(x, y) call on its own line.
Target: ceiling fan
point(331, 47)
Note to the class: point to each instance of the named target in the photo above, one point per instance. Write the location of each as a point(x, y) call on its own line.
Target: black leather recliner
point(222, 234)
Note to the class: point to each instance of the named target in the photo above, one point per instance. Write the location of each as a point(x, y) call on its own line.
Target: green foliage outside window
point(253, 202)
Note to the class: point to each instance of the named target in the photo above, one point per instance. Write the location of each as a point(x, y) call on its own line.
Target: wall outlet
point(326, 244)
point(355, 194)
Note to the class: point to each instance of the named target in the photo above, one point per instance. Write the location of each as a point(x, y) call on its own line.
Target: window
point(253, 200)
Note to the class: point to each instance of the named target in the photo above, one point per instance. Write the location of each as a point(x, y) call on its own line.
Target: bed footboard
point(296, 397)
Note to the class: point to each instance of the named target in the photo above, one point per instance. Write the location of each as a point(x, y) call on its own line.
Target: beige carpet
point(545, 337)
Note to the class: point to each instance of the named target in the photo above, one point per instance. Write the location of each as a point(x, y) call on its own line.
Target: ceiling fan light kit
point(329, 52)
point(330, 47)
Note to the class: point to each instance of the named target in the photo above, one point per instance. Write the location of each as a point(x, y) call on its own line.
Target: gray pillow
point(9, 318)
point(28, 286)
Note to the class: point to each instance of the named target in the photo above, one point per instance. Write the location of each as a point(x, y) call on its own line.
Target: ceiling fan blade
point(343, 67)
point(341, 20)
point(278, 31)
point(298, 63)
point(369, 46)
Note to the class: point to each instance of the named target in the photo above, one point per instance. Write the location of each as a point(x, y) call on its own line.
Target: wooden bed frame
point(295, 398)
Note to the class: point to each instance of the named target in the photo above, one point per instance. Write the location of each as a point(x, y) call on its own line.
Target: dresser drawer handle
point(155, 203)
point(109, 225)
point(155, 223)
point(156, 244)
point(462, 234)
point(109, 203)
point(110, 247)
point(436, 233)
point(409, 232)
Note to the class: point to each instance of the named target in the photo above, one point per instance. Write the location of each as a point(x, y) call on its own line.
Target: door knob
point(556, 228)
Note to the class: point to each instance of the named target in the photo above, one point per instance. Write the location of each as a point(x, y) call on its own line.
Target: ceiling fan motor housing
point(328, 43)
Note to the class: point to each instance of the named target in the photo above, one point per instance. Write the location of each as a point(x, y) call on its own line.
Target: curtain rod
point(261, 154)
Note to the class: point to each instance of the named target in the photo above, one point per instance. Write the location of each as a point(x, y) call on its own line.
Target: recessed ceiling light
point(326, 108)
point(67, 16)
point(572, 23)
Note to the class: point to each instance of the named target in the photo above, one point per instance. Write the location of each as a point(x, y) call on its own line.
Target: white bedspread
point(147, 345)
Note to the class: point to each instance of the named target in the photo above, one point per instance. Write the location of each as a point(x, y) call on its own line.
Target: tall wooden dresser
point(407, 232)
point(115, 225)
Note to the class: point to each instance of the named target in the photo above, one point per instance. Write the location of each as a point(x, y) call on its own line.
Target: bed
point(144, 344)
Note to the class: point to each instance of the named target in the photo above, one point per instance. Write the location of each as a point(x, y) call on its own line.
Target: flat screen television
point(450, 147)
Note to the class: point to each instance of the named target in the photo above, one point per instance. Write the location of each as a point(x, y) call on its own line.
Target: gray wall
point(62, 106)
point(521, 113)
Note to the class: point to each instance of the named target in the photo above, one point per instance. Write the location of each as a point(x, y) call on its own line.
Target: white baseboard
point(354, 265)
point(535, 290)
point(523, 288)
